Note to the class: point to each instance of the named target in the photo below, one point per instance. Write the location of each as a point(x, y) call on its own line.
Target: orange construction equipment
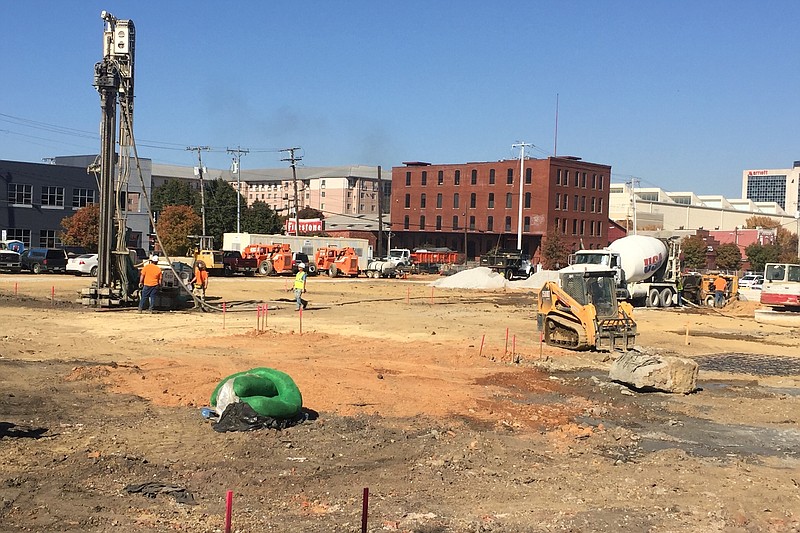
point(336, 261)
point(273, 259)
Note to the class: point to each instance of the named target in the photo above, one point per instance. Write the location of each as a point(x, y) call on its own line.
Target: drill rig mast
point(117, 279)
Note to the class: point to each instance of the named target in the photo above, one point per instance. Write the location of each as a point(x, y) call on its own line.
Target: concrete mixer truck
point(648, 269)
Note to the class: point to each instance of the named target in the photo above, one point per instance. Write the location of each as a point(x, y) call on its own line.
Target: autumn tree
point(694, 250)
point(555, 253)
point(310, 213)
point(82, 228)
point(174, 226)
point(785, 240)
point(729, 257)
point(761, 254)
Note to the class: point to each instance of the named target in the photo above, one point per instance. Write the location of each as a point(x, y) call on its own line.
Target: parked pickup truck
point(234, 263)
point(510, 263)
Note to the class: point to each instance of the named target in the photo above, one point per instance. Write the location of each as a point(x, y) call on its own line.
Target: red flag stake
point(223, 315)
point(228, 510)
point(258, 317)
point(506, 352)
point(53, 295)
point(483, 338)
point(301, 320)
point(514, 349)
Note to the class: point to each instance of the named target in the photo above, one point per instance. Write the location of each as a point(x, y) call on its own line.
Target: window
point(526, 224)
point(23, 235)
point(406, 222)
point(564, 226)
point(48, 238)
point(577, 177)
point(408, 179)
point(422, 222)
point(322, 194)
point(491, 200)
point(491, 176)
point(53, 197)
point(591, 227)
point(528, 175)
point(599, 205)
point(439, 201)
point(558, 178)
point(457, 178)
point(594, 181)
point(82, 197)
point(583, 227)
point(600, 182)
point(583, 203)
point(455, 200)
point(527, 200)
point(473, 200)
point(558, 201)
point(575, 203)
point(594, 204)
point(565, 181)
point(600, 228)
point(474, 178)
point(20, 194)
point(438, 222)
point(472, 223)
point(509, 200)
point(408, 201)
point(455, 222)
point(490, 224)
point(574, 226)
point(440, 178)
point(422, 200)
point(424, 179)
point(508, 223)
point(565, 202)
point(321, 184)
point(583, 180)
point(556, 225)
point(510, 177)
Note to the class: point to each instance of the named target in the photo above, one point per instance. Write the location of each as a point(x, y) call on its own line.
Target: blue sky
point(683, 95)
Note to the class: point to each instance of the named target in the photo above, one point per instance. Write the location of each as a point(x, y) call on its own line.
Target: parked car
point(41, 260)
point(751, 280)
point(82, 264)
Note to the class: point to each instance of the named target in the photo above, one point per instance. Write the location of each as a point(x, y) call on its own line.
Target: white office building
point(779, 185)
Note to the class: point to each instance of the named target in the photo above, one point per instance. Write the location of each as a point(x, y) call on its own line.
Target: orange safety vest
point(151, 275)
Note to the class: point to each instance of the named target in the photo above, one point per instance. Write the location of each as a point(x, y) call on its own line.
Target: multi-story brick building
point(475, 206)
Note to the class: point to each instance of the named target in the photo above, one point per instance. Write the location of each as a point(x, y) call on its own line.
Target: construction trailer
point(307, 245)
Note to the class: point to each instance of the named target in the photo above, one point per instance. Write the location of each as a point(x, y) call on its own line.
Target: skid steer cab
point(580, 311)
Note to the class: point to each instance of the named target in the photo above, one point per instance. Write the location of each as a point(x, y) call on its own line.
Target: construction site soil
point(441, 402)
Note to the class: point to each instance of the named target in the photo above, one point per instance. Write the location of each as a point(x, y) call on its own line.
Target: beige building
point(654, 209)
point(781, 185)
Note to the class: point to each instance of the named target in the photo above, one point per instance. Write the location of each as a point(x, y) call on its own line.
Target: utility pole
point(200, 170)
point(633, 183)
point(293, 160)
point(521, 147)
point(238, 164)
point(380, 214)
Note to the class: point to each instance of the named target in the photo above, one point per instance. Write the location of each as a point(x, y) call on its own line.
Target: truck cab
point(605, 258)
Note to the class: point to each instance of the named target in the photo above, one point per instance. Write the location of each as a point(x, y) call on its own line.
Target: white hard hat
point(154, 258)
point(301, 265)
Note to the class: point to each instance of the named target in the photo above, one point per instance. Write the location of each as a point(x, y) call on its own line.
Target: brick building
point(476, 205)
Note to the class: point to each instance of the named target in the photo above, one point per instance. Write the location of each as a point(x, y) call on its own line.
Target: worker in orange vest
point(200, 281)
point(149, 283)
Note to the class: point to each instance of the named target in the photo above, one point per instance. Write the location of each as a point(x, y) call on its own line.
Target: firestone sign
point(305, 225)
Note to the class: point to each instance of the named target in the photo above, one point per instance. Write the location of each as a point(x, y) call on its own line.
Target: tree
point(728, 256)
point(694, 252)
point(785, 240)
point(761, 254)
point(82, 228)
point(555, 253)
point(221, 209)
point(310, 213)
point(259, 218)
point(174, 225)
point(174, 192)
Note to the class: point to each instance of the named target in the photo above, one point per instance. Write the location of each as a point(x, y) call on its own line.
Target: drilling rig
point(117, 279)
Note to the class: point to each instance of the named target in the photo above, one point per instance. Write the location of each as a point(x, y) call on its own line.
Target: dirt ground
point(442, 403)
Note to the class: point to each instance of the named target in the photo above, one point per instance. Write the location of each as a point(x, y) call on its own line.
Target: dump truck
point(510, 263)
point(580, 311)
point(648, 269)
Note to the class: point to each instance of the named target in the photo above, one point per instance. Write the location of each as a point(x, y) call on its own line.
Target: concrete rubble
point(655, 372)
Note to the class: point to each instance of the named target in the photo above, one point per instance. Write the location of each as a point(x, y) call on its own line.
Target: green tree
point(694, 250)
point(82, 228)
point(259, 218)
point(728, 256)
point(174, 192)
point(555, 253)
point(310, 213)
point(761, 254)
point(221, 209)
point(174, 225)
point(785, 240)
